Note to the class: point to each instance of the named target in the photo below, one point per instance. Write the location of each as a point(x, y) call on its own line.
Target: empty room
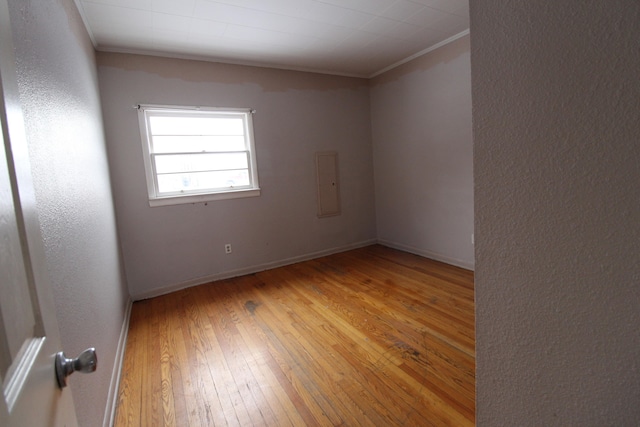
point(319, 212)
point(325, 341)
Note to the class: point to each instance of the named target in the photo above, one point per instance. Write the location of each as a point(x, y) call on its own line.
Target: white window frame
point(155, 197)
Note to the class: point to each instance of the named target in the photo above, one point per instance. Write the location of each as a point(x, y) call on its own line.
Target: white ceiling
point(346, 37)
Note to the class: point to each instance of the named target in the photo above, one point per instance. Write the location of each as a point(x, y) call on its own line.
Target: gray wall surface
point(298, 114)
point(58, 86)
point(423, 156)
point(556, 122)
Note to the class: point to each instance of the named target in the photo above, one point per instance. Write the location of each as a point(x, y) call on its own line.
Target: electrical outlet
point(473, 241)
point(227, 248)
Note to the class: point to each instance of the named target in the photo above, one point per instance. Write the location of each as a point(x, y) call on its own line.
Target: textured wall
point(556, 111)
point(59, 93)
point(297, 115)
point(423, 156)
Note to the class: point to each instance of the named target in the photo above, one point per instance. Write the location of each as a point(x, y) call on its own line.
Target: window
point(195, 154)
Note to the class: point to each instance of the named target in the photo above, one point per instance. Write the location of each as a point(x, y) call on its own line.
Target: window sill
point(200, 198)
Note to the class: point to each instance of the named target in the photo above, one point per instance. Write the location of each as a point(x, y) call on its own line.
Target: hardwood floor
point(372, 337)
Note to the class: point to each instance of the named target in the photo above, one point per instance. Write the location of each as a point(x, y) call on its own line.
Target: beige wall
point(298, 114)
point(423, 158)
point(556, 121)
point(59, 93)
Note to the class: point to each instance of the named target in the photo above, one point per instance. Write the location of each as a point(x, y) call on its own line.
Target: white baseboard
point(428, 254)
point(112, 397)
point(249, 270)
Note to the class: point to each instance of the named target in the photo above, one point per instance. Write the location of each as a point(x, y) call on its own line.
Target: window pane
point(197, 143)
point(196, 181)
point(195, 151)
point(162, 125)
point(173, 163)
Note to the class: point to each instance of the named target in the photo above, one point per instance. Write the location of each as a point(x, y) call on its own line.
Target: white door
point(29, 337)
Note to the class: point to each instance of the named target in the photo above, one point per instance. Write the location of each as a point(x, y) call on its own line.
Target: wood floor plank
point(294, 346)
point(400, 281)
point(185, 402)
point(129, 396)
point(168, 386)
point(328, 369)
point(220, 404)
point(390, 353)
point(248, 388)
point(409, 338)
point(317, 322)
point(278, 366)
point(256, 355)
point(274, 379)
point(151, 374)
point(368, 337)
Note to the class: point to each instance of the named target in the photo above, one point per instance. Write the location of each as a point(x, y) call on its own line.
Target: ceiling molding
point(421, 53)
point(211, 59)
point(85, 21)
point(279, 67)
